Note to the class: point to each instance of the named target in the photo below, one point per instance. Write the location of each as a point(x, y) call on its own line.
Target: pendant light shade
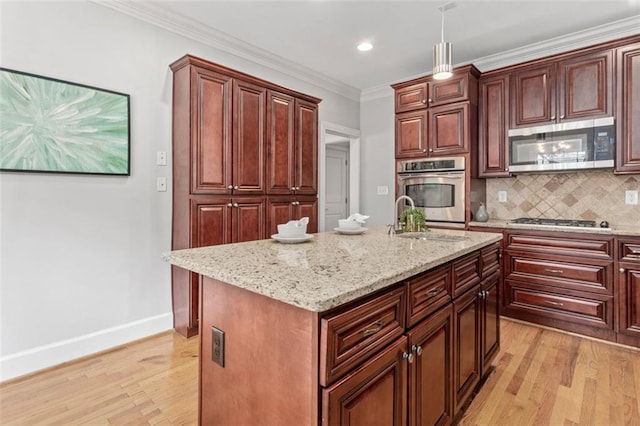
point(442, 67)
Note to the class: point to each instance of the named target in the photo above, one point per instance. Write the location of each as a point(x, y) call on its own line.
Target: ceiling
point(321, 35)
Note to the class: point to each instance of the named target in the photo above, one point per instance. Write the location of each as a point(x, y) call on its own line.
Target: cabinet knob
point(235, 204)
point(293, 188)
point(622, 270)
point(424, 101)
point(230, 187)
point(236, 187)
point(297, 188)
point(430, 149)
point(408, 356)
point(229, 205)
point(417, 349)
point(562, 117)
point(553, 117)
point(430, 100)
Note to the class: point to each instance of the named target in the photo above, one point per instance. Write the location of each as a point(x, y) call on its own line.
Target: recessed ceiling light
point(365, 46)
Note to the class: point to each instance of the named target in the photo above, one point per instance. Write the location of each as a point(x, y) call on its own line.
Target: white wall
point(80, 256)
point(377, 159)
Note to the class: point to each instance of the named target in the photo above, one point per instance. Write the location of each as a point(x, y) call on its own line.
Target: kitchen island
point(328, 331)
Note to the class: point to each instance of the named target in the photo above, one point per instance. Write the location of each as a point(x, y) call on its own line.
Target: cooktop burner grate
point(555, 222)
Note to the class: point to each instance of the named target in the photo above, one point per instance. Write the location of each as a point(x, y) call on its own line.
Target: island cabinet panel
point(431, 372)
point(348, 338)
point(489, 321)
point(466, 361)
point(493, 126)
point(375, 394)
point(628, 109)
point(629, 291)
point(269, 376)
point(234, 136)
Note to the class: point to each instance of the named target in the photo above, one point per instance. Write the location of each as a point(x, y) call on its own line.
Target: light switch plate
point(161, 184)
point(383, 190)
point(161, 158)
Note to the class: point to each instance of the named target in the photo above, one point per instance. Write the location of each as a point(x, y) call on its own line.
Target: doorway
point(339, 158)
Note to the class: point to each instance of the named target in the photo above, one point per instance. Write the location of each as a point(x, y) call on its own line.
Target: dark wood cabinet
point(628, 110)
point(283, 209)
point(236, 138)
point(576, 87)
point(374, 394)
point(431, 370)
point(489, 321)
point(493, 126)
point(436, 118)
point(629, 291)
point(466, 361)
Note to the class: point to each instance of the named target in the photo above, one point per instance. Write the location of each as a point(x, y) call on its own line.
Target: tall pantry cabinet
point(244, 159)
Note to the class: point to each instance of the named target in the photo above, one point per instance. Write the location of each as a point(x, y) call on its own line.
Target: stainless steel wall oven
point(436, 185)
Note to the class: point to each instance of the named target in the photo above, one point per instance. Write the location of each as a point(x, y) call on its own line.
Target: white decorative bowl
point(348, 224)
point(292, 231)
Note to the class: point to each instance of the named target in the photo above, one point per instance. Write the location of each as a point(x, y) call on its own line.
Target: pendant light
point(442, 68)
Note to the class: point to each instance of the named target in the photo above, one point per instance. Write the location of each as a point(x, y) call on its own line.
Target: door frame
point(353, 135)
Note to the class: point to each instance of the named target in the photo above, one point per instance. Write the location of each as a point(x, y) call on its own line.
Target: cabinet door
point(411, 134)
point(585, 89)
point(430, 373)
point(628, 111)
point(373, 395)
point(280, 143)
point(449, 129)
point(453, 89)
point(489, 321)
point(629, 284)
point(248, 138)
point(306, 152)
point(249, 219)
point(466, 358)
point(412, 97)
point(279, 210)
point(533, 96)
point(308, 207)
point(493, 132)
point(210, 221)
point(211, 169)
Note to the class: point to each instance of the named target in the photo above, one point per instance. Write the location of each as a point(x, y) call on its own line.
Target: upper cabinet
point(435, 118)
point(628, 111)
point(577, 87)
point(493, 131)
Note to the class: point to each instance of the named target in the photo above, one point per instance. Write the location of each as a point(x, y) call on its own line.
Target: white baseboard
point(32, 360)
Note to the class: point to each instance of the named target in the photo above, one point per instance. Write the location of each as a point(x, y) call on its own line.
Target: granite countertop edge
point(618, 230)
point(331, 269)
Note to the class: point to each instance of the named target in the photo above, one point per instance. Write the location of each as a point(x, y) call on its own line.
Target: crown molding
point(600, 34)
point(156, 15)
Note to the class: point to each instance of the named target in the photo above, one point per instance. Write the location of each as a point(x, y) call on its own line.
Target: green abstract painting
point(48, 125)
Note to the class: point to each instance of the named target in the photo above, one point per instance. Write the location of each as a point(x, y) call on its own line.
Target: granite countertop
point(620, 230)
point(329, 270)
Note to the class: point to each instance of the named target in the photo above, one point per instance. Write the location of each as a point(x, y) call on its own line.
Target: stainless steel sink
point(430, 236)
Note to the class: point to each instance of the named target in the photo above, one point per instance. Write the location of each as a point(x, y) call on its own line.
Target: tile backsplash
point(589, 195)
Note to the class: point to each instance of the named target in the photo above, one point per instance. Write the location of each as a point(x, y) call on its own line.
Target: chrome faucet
point(392, 227)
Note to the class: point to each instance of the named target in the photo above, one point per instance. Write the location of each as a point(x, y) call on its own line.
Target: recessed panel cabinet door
point(449, 129)
point(411, 134)
point(306, 152)
point(489, 321)
point(493, 127)
point(308, 207)
point(373, 395)
point(430, 373)
point(279, 210)
point(211, 170)
point(248, 138)
point(628, 111)
point(249, 222)
point(533, 96)
point(466, 363)
point(630, 302)
point(211, 221)
point(280, 143)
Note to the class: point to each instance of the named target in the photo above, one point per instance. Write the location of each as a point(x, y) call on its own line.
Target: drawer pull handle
point(553, 303)
point(408, 356)
point(373, 330)
point(435, 292)
point(555, 271)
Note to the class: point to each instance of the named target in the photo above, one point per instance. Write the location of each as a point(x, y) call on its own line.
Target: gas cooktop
point(555, 222)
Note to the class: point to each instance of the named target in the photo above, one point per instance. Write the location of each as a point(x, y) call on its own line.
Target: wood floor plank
point(541, 377)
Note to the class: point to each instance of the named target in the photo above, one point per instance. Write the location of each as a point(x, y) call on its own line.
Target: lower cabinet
point(489, 321)
point(629, 291)
point(283, 209)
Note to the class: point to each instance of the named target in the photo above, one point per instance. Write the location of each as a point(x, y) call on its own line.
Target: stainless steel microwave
point(574, 145)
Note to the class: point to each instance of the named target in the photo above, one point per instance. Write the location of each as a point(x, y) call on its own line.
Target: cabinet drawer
point(427, 293)
point(349, 337)
point(466, 273)
point(593, 310)
point(563, 244)
point(629, 251)
point(578, 276)
point(490, 258)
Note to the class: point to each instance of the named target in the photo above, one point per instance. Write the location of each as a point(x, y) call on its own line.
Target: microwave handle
point(401, 177)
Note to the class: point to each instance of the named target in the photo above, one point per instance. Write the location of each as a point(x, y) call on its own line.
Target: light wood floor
point(542, 377)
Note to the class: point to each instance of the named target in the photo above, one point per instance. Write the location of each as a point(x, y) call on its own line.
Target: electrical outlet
point(161, 184)
point(631, 197)
point(217, 346)
point(383, 190)
point(161, 158)
point(502, 196)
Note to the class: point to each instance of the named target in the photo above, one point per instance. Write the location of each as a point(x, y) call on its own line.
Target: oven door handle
point(404, 177)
